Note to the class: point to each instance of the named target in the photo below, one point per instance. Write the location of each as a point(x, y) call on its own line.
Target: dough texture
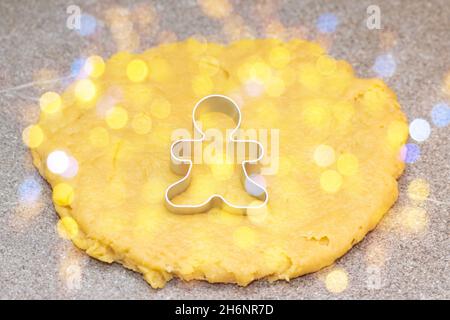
point(339, 157)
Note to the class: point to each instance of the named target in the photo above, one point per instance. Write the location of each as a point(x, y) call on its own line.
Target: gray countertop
point(407, 256)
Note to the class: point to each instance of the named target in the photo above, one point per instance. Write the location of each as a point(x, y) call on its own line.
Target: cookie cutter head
point(183, 166)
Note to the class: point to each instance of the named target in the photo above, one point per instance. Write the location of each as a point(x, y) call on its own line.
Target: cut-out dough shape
point(182, 166)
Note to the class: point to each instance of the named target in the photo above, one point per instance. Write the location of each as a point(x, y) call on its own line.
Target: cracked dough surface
point(316, 213)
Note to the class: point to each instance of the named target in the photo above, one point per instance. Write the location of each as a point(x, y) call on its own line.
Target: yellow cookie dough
point(340, 138)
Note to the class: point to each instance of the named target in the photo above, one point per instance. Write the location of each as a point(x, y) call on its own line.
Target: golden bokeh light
point(316, 115)
point(85, 90)
point(275, 87)
point(347, 164)
point(50, 102)
point(279, 57)
point(330, 181)
point(63, 194)
point(336, 280)
point(94, 66)
point(259, 70)
point(117, 117)
point(414, 219)
point(33, 136)
point(137, 70)
point(418, 190)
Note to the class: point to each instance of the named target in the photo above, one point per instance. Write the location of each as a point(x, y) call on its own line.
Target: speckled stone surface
point(394, 261)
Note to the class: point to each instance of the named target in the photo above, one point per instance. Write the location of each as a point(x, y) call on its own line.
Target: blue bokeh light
point(29, 190)
point(76, 68)
point(385, 65)
point(440, 115)
point(88, 25)
point(252, 188)
point(411, 153)
point(327, 23)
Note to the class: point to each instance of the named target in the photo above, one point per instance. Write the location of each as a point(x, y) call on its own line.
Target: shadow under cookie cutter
point(180, 166)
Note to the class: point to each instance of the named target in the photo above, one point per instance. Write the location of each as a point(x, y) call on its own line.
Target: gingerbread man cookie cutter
point(182, 166)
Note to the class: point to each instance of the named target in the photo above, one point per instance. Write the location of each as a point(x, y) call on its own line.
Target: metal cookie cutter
point(183, 166)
